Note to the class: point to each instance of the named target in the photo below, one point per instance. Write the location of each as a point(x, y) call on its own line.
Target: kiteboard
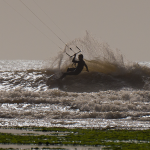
point(53, 80)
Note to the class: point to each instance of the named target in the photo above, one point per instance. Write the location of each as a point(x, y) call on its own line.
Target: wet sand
point(54, 146)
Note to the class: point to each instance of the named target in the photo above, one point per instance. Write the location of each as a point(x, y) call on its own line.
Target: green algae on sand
point(109, 138)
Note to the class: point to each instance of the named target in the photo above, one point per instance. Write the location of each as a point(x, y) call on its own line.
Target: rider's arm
point(73, 60)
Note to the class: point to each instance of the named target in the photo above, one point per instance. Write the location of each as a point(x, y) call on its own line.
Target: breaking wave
point(57, 104)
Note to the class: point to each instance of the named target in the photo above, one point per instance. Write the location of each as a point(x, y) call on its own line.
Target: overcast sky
point(123, 24)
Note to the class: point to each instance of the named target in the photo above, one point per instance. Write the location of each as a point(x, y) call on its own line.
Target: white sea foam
point(118, 109)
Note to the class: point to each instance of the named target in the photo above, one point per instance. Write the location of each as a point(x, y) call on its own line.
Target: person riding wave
point(75, 71)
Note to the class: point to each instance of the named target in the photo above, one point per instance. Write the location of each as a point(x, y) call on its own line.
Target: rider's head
point(80, 57)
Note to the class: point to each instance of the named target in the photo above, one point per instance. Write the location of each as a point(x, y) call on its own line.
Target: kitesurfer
point(75, 71)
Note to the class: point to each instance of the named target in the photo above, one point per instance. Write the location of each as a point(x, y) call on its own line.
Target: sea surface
point(89, 100)
point(113, 94)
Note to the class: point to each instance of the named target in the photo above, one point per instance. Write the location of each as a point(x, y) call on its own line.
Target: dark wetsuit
point(77, 70)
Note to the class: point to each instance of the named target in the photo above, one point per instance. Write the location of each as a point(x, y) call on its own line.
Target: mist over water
point(108, 68)
point(114, 94)
point(98, 55)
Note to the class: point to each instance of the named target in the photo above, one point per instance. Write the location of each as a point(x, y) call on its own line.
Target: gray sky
point(123, 24)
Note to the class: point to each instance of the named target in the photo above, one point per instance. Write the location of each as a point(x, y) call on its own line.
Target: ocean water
point(114, 94)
